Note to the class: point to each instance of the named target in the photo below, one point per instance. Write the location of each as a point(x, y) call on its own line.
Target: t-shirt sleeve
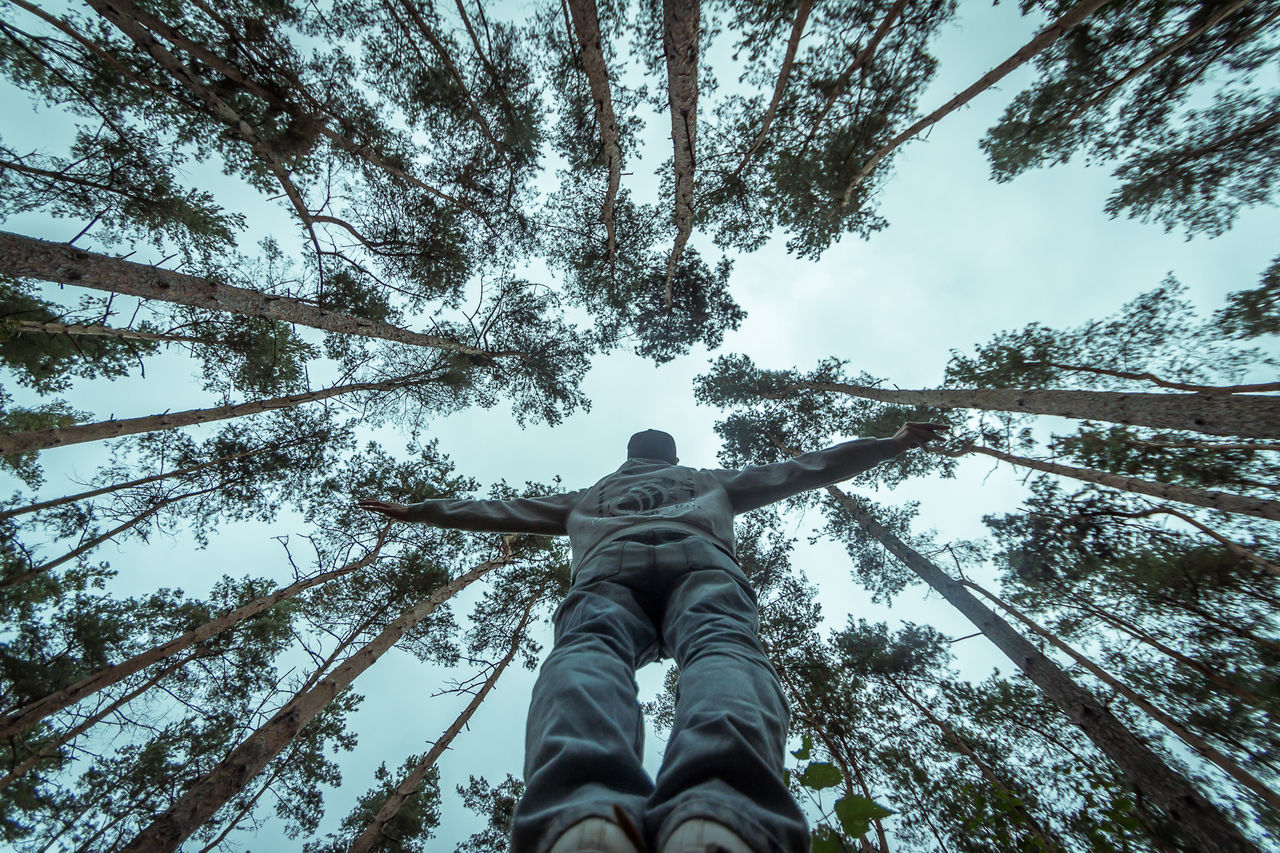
point(548, 515)
point(761, 485)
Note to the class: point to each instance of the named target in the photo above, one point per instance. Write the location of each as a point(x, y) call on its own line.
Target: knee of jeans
point(593, 644)
point(717, 636)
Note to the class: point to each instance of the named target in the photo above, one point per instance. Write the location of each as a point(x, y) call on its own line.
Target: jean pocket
point(603, 565)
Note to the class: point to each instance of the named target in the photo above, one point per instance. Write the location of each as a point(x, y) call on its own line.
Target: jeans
point(636, 601)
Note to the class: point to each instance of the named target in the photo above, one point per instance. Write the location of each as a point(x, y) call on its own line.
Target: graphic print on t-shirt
point(662, 495)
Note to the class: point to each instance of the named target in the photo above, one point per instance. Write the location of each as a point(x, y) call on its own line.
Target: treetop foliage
point(353, 215)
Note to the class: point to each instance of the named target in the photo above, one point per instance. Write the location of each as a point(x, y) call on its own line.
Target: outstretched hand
point(399, 512)
point(914, 434)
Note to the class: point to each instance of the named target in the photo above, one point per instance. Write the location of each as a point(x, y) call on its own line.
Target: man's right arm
point(546, 515)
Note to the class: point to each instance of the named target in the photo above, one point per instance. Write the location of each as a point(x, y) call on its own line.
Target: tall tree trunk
point(1234, 547)
point(33, 712)
point(86, 331)
point(680, 31)
point(49, 748)
point(142, 481)
point(780, 86)
point(1221, 501)
point(861, 62)
point(1147, 376)
point(373, 832)
point(203, 799)
point(1063, 25)
point(86, 547)
point(27, 257)
point(987, 772)
point(1191, 739)
point(1111, 618)
point(1243, 415)
point(586, 27)
point(24, 442)
point(1154, 781)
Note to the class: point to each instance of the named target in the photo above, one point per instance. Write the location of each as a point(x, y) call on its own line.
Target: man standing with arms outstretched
point(654, 577)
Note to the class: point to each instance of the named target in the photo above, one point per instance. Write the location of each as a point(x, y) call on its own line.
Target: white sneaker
point(594, 835)
point(705, 836)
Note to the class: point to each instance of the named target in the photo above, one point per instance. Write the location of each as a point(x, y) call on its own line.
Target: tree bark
point(27, 257)
point(680, 31)
point(586, 26)
point(784, 75)
point(142, 481)
point(1148, 376)
point(32, 713)
point(1199, 744)
point(373, 832)
point(1063, 25)
point(203, 799)
point(25, 442)
point(1153, 780)
point(82, 330)
point(1221, 501)
point(1242, 415)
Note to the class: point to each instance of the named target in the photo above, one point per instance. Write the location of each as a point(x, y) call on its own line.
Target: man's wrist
point(893, 446)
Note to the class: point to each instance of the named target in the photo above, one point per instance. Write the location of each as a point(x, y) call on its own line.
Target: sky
point(962, 258)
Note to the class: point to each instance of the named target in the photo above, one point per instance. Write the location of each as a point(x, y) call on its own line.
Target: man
point(654, 577)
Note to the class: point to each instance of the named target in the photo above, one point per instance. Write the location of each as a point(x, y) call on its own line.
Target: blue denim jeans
point(633, 602)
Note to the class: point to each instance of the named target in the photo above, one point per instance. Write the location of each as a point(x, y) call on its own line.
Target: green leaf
point(856, 813)
point(806, 744)
point(825, 840)
point(819, 775)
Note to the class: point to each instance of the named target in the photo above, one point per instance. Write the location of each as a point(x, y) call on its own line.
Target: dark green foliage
point(411, 828)
point(28, 418)
point(1256, 312)
point(496, 803)
point(47, 363)
point(828, 125)
point(627, 295)
point(1199, 177)
point(1118, 87)
point(1157, 335)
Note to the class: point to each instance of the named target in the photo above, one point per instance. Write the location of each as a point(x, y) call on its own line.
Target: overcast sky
point(962, 258)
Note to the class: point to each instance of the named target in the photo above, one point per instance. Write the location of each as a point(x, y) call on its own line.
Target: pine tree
point(1119, 89)
point(769, 427)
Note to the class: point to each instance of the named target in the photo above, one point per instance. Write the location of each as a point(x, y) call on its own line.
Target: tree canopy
point(256, 255)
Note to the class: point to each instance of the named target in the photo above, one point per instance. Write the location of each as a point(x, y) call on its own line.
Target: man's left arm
point(546, 515)
point(761, 485)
